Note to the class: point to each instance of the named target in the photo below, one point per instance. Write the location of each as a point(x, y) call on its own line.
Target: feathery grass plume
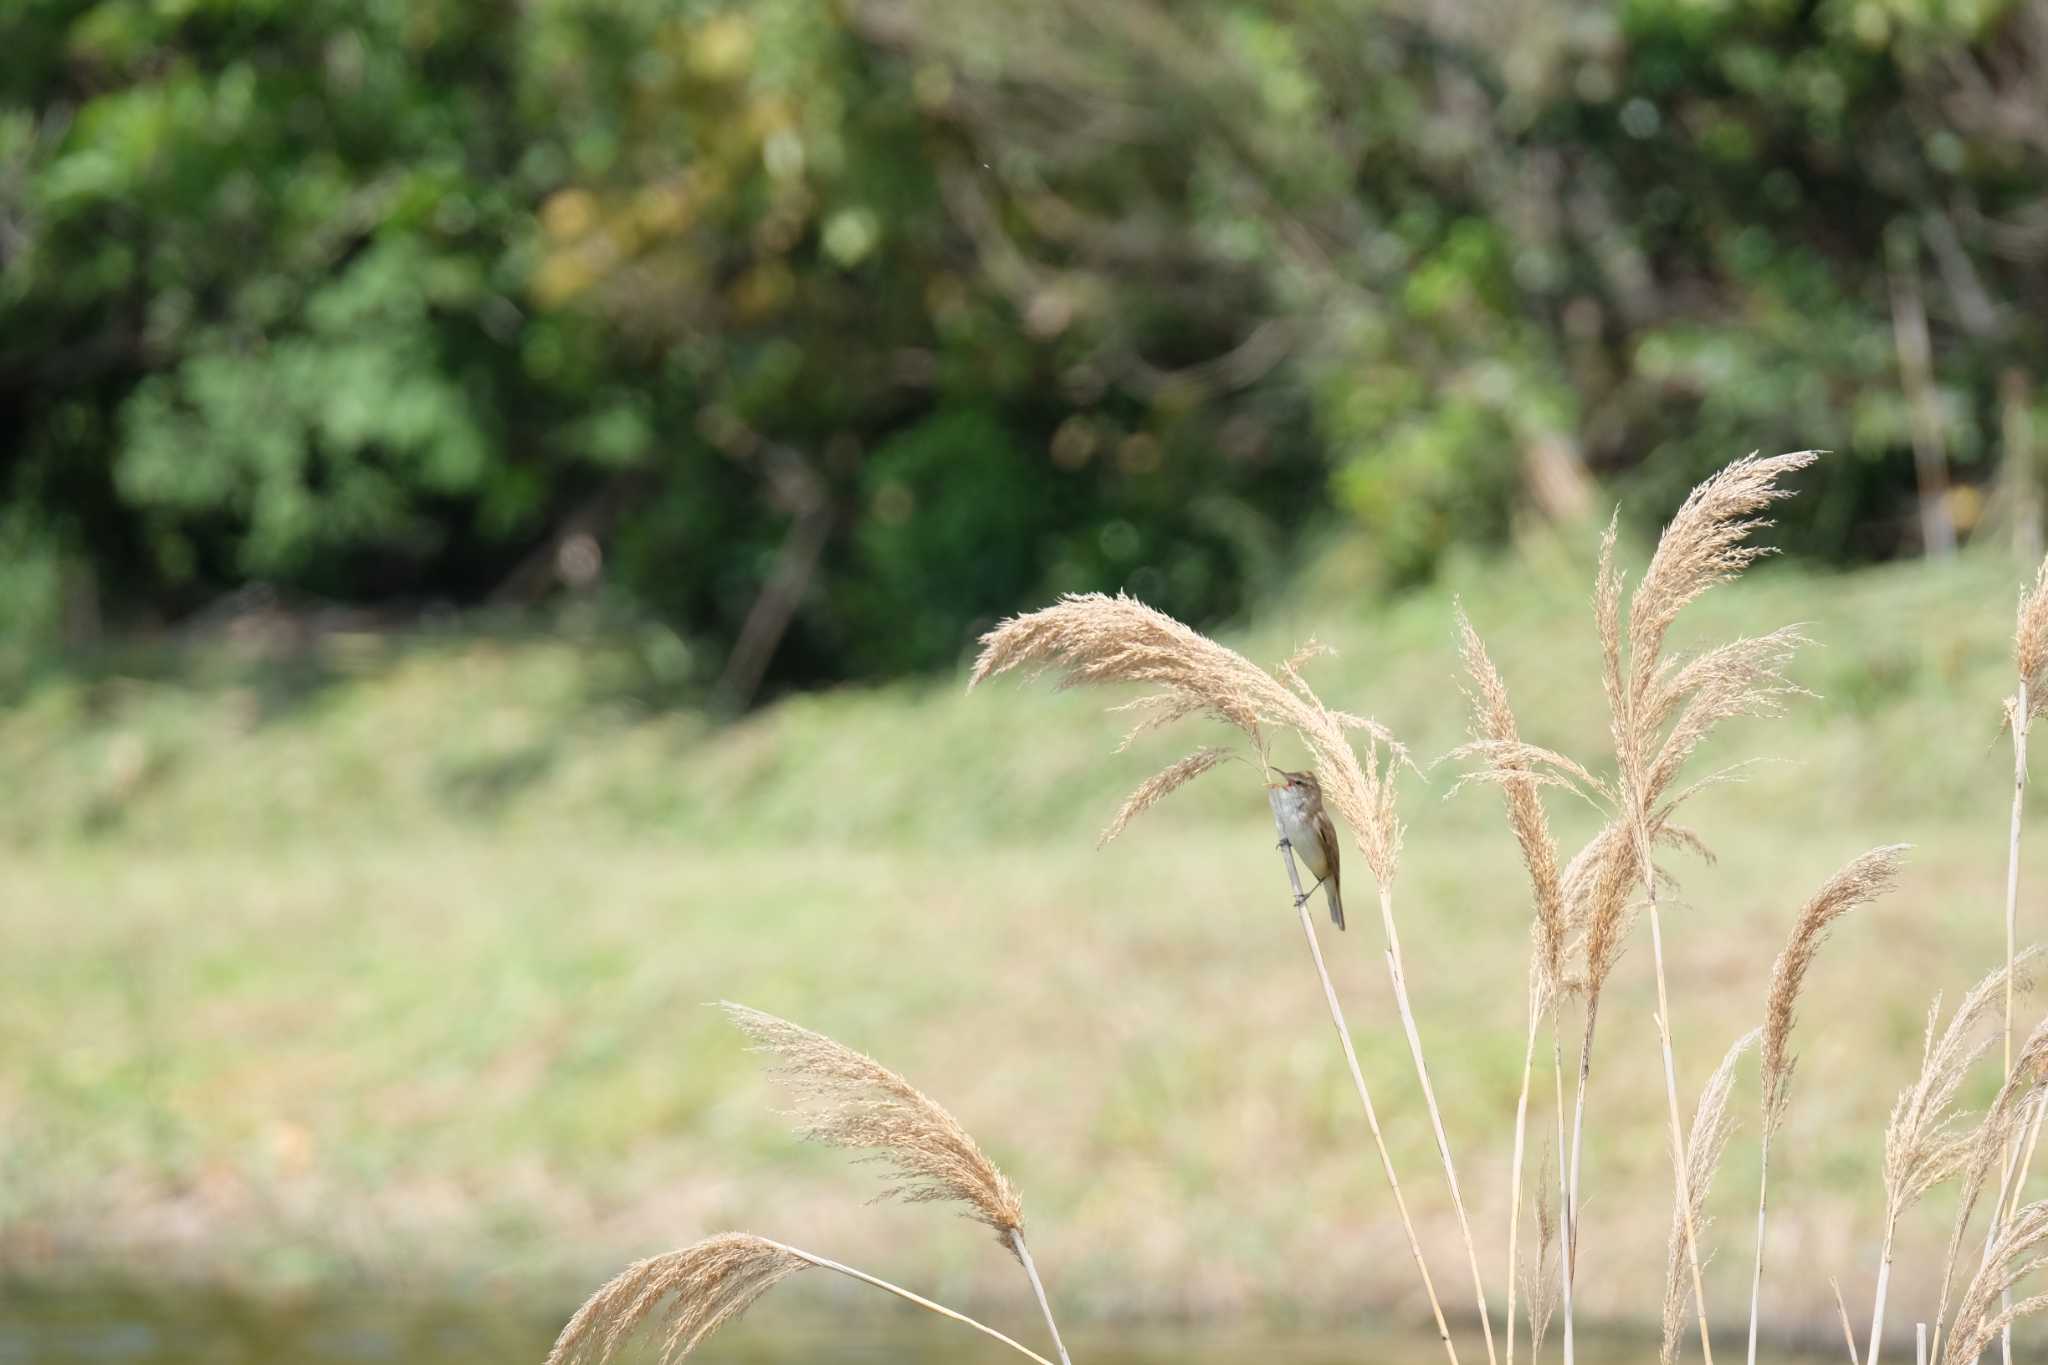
point(862, 1105)
point(1494, 723)
point(694, 1291)
point(1494, 719)
point(699, 1289)
point(2014, 1255)
point(1661, 710)
point(2030, 647)
point(1161, 785)
point(1858, 883)
point(1093, 638)
point(1991, 1147)
point(1925, 1141)
point(1711, 1126)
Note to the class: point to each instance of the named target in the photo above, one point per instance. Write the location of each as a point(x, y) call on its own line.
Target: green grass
point(384, 961)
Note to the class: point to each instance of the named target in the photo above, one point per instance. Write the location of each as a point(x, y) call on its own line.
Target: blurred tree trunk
point(2022, 495)
point(1923, 400)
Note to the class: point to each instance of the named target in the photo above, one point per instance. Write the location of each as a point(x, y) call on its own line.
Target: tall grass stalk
point(1372, 1121)
point(2030, 659)
point(858, 1103)
point(1496, 731)
point(1855, 885)
point(1038, 1289)
point(700, 1288)
point(929, 1306)
point(1660, 710)
point(1924, 1140)
point(1680, 1177)
point(1398, 975)
point(1099, 639)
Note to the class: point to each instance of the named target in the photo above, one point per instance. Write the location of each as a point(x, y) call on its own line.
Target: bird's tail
point(1336, 904)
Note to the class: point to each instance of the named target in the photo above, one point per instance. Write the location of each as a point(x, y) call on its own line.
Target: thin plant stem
point(1756, 1279)
point(1920, 1343)
point(2027, 1161)
point(900, 1292)
point(1557, 1085)
point(2012, 899)
point(1044, 1304)
point(1841, 1311)
point(1315, 950)
point(1398, 975)
point(1679, 1176)
point(1515, 1178)
point(1884, 1275)
point(1571, 1197)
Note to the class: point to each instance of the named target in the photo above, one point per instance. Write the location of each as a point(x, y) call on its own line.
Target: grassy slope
point(391, 962)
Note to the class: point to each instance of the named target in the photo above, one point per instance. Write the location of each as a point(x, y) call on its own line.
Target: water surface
point(111, 1327)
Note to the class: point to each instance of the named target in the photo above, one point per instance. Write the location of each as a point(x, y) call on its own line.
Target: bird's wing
point(1332, 854)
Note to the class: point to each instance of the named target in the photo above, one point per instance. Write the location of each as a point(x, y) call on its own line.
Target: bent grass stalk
point(858, 1103)
point(702, 1287)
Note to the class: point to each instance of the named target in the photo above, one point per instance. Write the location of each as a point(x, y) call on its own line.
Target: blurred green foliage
point(829, 329)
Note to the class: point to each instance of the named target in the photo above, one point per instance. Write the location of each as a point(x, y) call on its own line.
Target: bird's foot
point(1301, 900)
point(1284, 843)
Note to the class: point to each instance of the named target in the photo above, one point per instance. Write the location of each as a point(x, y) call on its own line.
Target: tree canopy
point(828, 329)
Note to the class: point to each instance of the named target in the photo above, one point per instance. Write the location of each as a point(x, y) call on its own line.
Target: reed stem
point(1398, 975)
point(1571, 1197)
point(1557, 1085)
point(1315, 950)
point(1679, 1176)
point(1884, 1275)
point(1842, 1312)
point(1044, 1304)
point(900, 1292)
point(1515, 1178)
point(1756, 1279)
point(2012, 898)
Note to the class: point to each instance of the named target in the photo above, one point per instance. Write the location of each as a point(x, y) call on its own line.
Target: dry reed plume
point(1098, 639)
point(1991, 1147)
point(2015, 1253)
point(1858, 883)
point(2029, 699)
point(860, 1104)
point(857, 1103)
point(1712, 1125)
point(702, 1287)
point(695, 1291)
point(1926, 1141)
point(1661, 709)
point(1520, 782)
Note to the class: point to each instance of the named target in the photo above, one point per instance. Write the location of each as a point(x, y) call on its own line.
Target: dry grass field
point(381, 960)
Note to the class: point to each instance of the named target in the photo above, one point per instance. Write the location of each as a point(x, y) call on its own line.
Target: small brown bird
point(1305, 827)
